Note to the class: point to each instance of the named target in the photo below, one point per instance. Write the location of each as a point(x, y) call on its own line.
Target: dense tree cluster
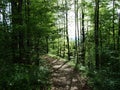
point(24, 29)
point(96, 42)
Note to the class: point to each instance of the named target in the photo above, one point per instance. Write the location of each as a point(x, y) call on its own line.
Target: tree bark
point(17, 22)
point(83, 38)
point(113, 27)
point(67, 36)
point(96, 34)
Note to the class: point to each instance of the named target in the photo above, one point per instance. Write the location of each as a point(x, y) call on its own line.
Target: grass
point(71, 62)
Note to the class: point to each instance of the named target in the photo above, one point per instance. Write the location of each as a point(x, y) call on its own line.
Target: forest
point(60, 45)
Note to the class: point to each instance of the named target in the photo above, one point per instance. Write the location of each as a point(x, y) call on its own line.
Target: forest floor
point(64, 76)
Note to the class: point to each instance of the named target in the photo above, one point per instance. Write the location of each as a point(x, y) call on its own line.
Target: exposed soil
point(64, 77)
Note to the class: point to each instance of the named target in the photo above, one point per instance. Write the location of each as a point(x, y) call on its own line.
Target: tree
point(113, 24)
point(96, 33)
point(118, 39)
point(17, 22)
point(67, 36)
point(83, 33)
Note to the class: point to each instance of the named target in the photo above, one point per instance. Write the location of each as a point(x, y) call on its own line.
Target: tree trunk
point(76, 33)
point(113, 24)
point(96, 34)
point(47, 44)
point(67, 36)
point(17, 22)
point(83, 39)
point(118, 39)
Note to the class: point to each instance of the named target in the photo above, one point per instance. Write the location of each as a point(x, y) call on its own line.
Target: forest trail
point(64, 77)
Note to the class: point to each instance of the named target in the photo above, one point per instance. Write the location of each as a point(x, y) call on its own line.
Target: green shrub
point(24, 77)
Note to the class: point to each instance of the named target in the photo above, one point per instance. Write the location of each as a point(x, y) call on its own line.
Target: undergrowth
point(24, 77)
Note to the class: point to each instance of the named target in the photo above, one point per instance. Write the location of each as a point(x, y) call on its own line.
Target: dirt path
point(64, 77)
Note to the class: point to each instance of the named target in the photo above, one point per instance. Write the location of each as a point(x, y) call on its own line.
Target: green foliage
point(107, 78)
point(104, 79)
point(25, 77)
point(23, 41)
point(40, 24)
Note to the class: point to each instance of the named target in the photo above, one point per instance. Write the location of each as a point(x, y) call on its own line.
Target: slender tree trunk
point(47, 44)
point(96, 34)
point(76, 37)
point(77, 23)
point(58, 52)
point(64, 30)
point(4, 14)
point(28, 36)
point(21, 31)
point(17, 22)
point(113, 24)
point(14, 31)
point(67, 36)
point(64, 39)
point(28, 27)
point(77, 31)
point(83, 39)
point(118, 39)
